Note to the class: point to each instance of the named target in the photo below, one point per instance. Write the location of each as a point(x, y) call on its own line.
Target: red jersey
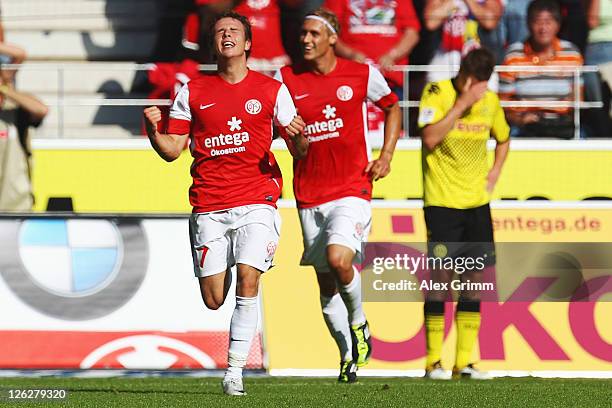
point(230, 126)
point(334, 109)
point(375, 26)
point(264, 16)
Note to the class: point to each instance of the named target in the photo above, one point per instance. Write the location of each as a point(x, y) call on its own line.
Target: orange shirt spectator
point(542, 48)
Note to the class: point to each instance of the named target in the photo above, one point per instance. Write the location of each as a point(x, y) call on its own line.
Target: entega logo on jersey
point(332, 124)
point(235, 139)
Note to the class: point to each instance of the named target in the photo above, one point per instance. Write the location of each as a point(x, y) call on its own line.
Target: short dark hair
point(246, 24)
point(537, 6)
point(478, 63)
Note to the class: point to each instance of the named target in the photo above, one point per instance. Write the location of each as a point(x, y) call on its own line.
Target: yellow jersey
point(455, 171)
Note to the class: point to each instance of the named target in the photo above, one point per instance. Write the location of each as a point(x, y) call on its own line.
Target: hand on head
point(472, 92)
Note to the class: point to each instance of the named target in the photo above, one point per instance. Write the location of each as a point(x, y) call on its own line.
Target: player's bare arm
point(436, 11)
point(433, 135)
point(298, 143)
point(409, 40)
point(487, 13)
point(169, 147)
point(381, 167)
point(30, 103)
point(501, 152)
point(346, 51)
point(523, 118)
point(17, 54)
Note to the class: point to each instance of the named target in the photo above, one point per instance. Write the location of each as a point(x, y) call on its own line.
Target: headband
point(321, 19)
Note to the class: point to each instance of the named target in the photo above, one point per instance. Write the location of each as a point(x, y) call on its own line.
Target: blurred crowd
point(385, 33)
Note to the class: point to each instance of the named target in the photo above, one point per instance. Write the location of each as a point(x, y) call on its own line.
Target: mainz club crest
point(270, 249)
point(252, 106)
point(344, 93)
point(359, 229)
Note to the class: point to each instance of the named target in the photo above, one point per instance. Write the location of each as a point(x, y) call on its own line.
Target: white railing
point(576, 103)
point(62, 100)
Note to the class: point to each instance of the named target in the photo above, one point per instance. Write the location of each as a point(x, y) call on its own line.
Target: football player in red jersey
point(236, 181)
point(333, 183)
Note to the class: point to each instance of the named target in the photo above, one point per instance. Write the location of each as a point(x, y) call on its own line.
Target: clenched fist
point(296, 126)
point(152, 116)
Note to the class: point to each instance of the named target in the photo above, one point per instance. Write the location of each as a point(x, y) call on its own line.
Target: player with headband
point(333, 183)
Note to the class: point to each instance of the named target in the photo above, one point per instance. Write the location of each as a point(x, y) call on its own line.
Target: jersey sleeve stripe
point(377, 85)
point(387, 101)
point(179, 126)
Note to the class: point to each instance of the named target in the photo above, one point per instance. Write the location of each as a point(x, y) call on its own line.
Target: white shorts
point(345, 222)
point(248, 235)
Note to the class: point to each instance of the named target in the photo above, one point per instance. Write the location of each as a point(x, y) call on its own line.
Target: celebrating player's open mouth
point(229, 118)
point(229, 39)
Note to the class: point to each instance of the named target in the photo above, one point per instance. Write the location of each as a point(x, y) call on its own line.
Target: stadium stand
point(68, 41)
point(104, 41)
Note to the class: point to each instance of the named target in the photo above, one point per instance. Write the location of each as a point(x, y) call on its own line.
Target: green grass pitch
point(317, 392)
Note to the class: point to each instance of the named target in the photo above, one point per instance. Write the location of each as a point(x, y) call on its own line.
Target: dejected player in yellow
point(457, 117)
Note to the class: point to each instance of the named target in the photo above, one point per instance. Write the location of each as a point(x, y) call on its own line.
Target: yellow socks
point(468, 324)
point(434, 331)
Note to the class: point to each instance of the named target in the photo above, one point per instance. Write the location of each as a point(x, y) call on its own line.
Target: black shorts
point(463, 233)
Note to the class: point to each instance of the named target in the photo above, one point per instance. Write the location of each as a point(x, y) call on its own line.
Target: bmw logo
point(73, 269)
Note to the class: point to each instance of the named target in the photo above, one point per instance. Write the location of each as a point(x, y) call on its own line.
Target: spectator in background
point(208, 10)
point(307, 6)
point(166, 79)
point(460, 21)
point(512, 28)
point(379, 32)
point(292, 13)
point(264, 16)
point(574, 26)
point(9, 54)
point(599, 52)
point(191, 30)
point(542, 48)
point(18, 111)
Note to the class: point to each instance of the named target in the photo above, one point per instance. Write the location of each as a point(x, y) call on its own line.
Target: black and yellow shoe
point(348, 372)
point(362, 344)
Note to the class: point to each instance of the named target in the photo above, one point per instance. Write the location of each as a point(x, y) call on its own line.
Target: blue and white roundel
point(70, 257)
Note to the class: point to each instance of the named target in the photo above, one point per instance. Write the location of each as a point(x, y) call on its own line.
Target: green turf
point(320, 392)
